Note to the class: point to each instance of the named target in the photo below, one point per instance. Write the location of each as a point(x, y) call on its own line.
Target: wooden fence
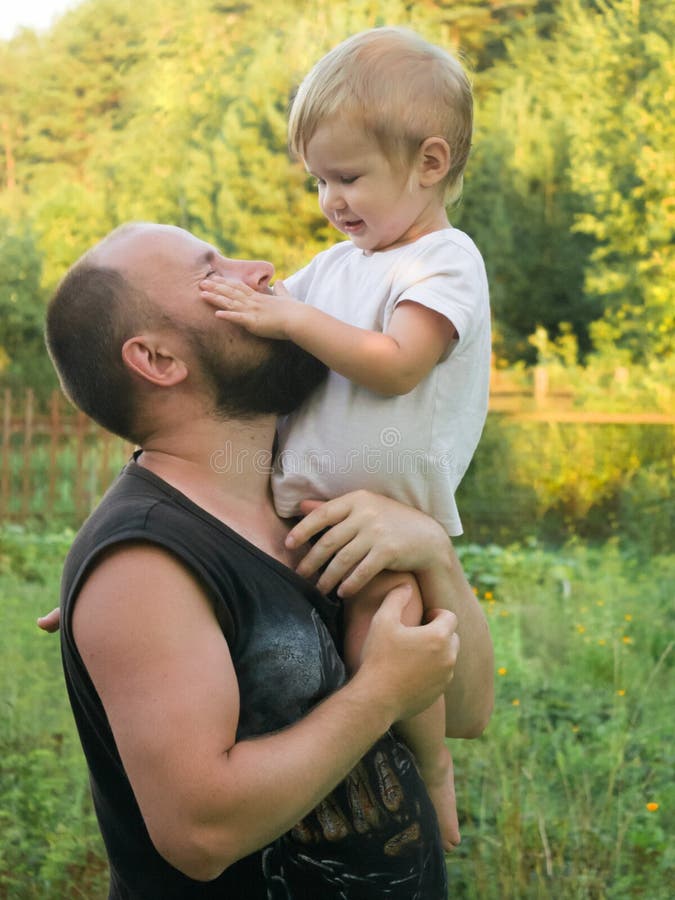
point(538, 402)
point(54, 466)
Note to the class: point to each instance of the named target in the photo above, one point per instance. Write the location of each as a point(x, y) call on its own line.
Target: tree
point(622, 137)
point(22, 357)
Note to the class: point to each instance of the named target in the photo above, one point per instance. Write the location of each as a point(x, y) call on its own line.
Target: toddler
point(399, 312)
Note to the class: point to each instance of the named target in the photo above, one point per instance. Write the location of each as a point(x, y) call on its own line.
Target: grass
point(569, 794)
point(50, 844)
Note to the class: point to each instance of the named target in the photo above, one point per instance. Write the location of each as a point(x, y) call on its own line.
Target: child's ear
point(433, 161)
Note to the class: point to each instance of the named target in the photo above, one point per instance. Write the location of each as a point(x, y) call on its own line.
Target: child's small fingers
point(231, 315)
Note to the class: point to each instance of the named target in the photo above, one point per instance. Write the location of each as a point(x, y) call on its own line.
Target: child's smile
point(378, 204)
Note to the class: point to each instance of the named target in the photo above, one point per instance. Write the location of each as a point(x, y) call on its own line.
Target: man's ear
point(148, 357)
point(433, 161)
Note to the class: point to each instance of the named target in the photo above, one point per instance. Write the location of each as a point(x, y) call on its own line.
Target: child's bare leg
point(425, 732)
point(425, 735)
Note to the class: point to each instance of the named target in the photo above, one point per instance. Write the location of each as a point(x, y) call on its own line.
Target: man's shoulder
point(124, 506)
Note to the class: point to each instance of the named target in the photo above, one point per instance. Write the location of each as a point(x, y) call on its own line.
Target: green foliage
point(22, 357)
point(50, 844)
point(552, 799)
point(175, 111)
point(30, 557)
point(570, 192)
point(553, 480)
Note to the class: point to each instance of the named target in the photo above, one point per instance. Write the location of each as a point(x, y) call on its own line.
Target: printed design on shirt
point(369, 839)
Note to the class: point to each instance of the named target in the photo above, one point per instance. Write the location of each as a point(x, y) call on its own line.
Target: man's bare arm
point(148, 636)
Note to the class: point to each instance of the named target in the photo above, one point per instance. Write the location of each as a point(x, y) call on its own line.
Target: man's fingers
point(337, 546)
point(441, 619)
point(308, 506)
point(395, 602)
point(323, 516)
point(51, 622)
point(445, 623)
point(370, 566)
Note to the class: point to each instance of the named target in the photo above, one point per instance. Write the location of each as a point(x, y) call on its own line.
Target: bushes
point(556, 480)
point(50, 845)
point(569, 793)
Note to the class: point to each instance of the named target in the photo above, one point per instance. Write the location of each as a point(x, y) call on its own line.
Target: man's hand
point(51, 622)
point(364, 534)
point(261, 314)
point(410, 666)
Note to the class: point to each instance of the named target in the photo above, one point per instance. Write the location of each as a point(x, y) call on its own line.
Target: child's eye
point(348, 179)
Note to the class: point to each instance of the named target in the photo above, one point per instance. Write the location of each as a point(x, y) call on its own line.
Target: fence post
point(54, 440)
point(540, 385)
point(80, 434)
point(5, 482)
point(27, 453)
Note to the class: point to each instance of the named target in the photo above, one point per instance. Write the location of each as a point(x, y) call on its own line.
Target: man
point(227, 755)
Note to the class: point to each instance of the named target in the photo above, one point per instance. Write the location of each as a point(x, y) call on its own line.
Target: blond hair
point(399, 88)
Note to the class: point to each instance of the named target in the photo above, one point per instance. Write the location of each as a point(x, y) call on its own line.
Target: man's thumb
point(396, 601)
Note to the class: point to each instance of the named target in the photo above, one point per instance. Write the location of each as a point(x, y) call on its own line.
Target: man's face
point(245, 375)
point(167, 264)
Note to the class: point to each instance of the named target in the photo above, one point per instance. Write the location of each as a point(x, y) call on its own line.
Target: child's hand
point(261, 314)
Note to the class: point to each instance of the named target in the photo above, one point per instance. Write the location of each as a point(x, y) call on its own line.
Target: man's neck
point(224, 467)
point(226, 462)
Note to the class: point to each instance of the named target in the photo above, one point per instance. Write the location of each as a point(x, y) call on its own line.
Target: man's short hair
point(92, 313)
point(399, 88)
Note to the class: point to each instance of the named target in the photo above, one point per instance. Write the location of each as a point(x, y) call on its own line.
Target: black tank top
point(375, 836)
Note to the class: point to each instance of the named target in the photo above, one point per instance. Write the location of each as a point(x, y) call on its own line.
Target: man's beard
point(277, 382)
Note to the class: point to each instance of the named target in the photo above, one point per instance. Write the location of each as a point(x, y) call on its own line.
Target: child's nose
point(333, 198)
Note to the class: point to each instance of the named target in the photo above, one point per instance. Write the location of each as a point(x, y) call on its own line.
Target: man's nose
point(256, 273)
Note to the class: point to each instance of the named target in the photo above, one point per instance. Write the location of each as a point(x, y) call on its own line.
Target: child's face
point(375, 203)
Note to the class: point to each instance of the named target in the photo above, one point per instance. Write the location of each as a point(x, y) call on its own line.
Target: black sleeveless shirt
point(375, 836)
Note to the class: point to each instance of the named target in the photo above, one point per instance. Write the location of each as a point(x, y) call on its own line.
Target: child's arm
point(390, 363)
point(359, 610)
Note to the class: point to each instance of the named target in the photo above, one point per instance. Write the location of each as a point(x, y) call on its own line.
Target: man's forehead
point(130, 246)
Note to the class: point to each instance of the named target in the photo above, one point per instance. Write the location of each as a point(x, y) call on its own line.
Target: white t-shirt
point(416, 447)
